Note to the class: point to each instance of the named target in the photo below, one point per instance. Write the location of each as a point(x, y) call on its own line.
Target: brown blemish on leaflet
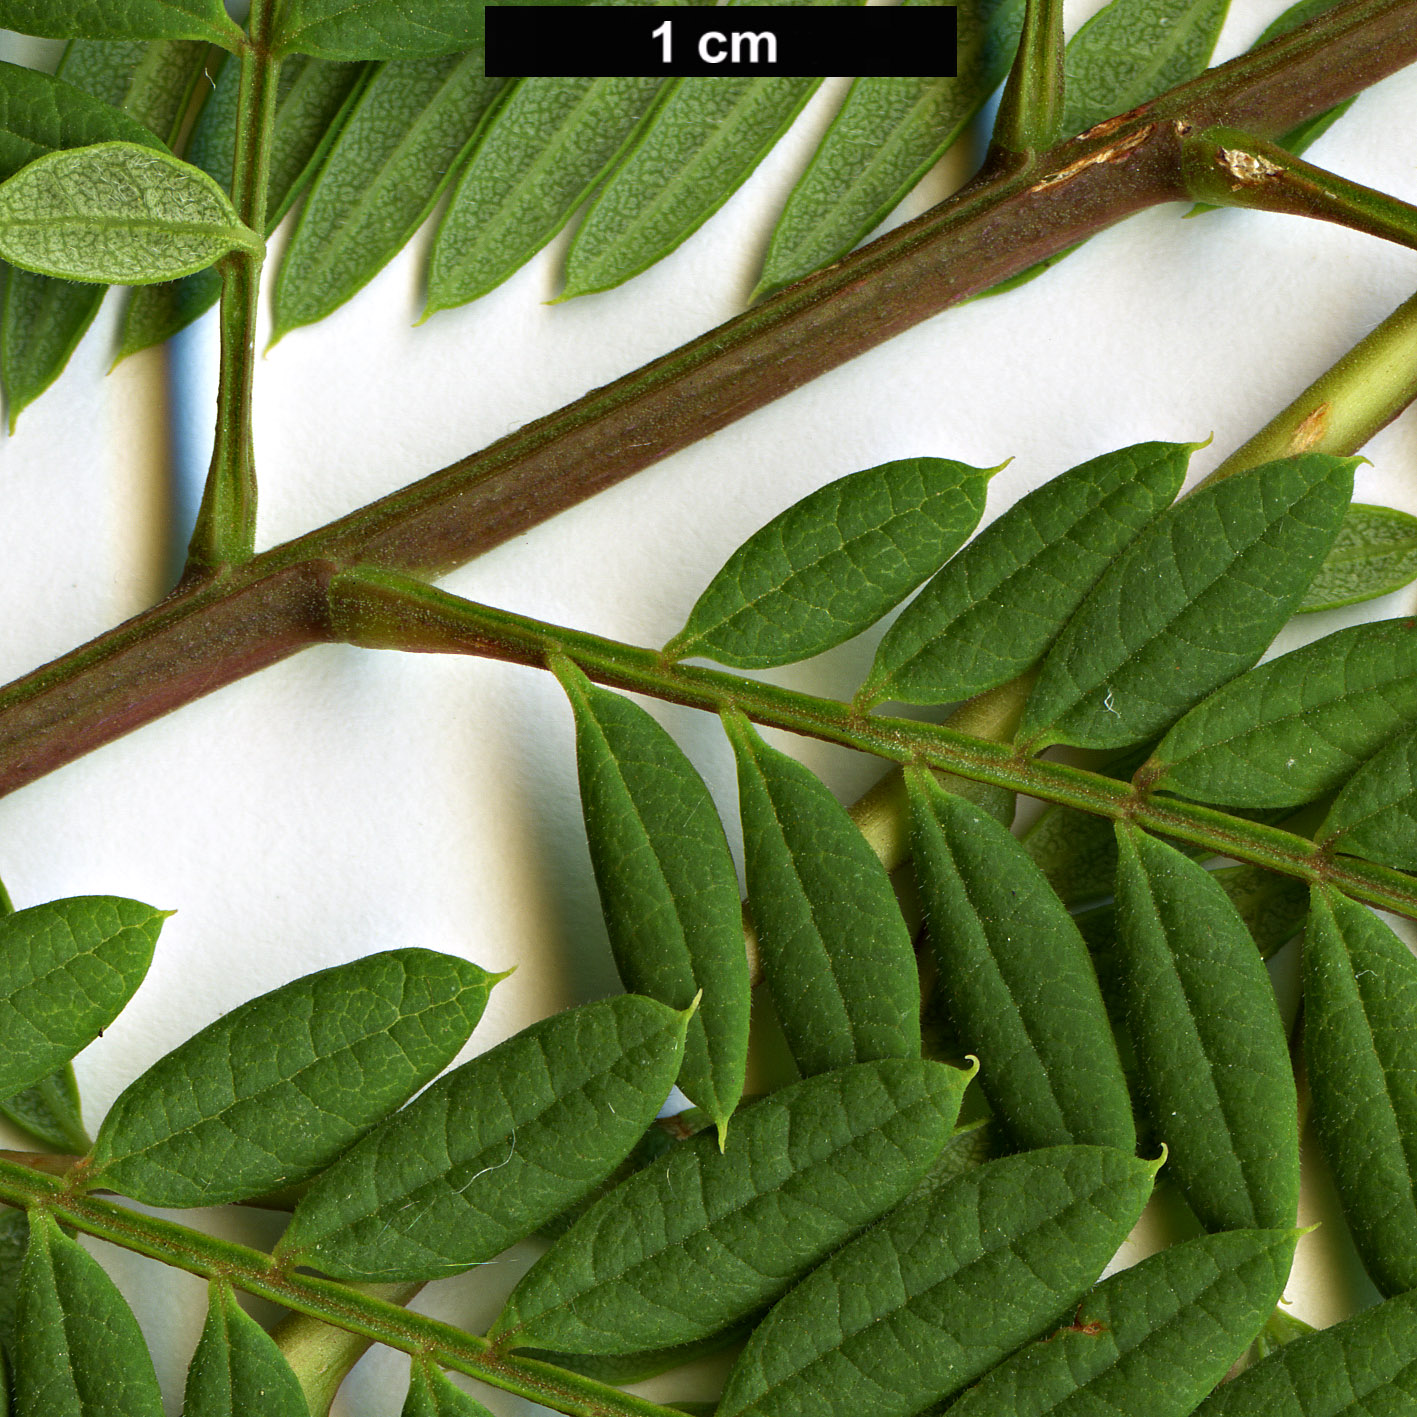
point(1116, 153)
point(1310, 433)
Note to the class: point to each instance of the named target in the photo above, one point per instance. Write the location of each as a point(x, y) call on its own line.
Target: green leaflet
point(540, 153)
point(836, 953)
point(1211, 1050)
point(834, 563)
point(801, 1172)
point(1374, 553)
point(117, 213)
point(955, 1280)
point(49, 1110)
point(43, 319)
point(885, 137)
point(1132, 50)
point(400, 145)
point(1365, 1366)
point(1076, 852)
point(274, 1091)
point(1375, 815)
point(237, 1370)
point(1191, 603)
point(622, 1368)
point(667, 884)
point(996, 607)
point(1015, 973)
point(78, 1351)
point(14, 1236)
point(1297, 728)
point(311, 100)
point(1360, 990)
point(1151, 1341)
point(123, 19)
point(66, 970)
point(378, 29)
point(430, 1394)
point(696, 148)
point(497, 1146)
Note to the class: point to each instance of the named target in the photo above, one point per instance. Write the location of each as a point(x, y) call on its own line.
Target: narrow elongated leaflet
point(378, 29)
point(1016, 979)
point(497, 1146)
point(539, 155)
point(237, 1370)
point(802, 1171)
point(1132, 50)
point(49, 1110)
point(696, 148)
point(955, 1279)
point(273, 1092)
point(123, 19)
point(119, 214)
point(1077, 853)
point(1374, 553)
point(1151, 1341)
point(1211, 1050)
point(78, 1351)
point(401, 144)
point(622, 1368)
point(66, 970)
point(667, 884)
point(312, 98)
point(430, 1394)
point(834, 563)
point(1365, 1366)
point(1360, 987)
point(43, 319)
point(835, 950)
point(997, 606)
point(1298, 727)
point(1191, 603)
point(886, 136)
point(1375, 815)
point(14, 1237)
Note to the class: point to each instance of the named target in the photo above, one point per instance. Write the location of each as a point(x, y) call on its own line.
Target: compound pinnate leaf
point(1151, 1341)
point(1017, 980)
point(78, 1351)
point(44, 319)
point(997, 606)
point(400, 145)
point(1375, 815)
point(834, 563)
point(887, 134)
point(1360, 990)
point(66, 970)
point(801, 1172)
point(539, 155)
point(667, 884)
point(1191, 603)
point(117, 213)
point(1365, 1366)
point(493, 1149)
point(123, 19)
point(956, 1279)
point(237, 1370)
point(1211, 1050)
point(1298, 727)
point(430, 1394)
point(275, 1090)
point(378, 29)
point(1132, 50)
point(312, 96)
point(835, 951)
point(695, 149)
point(1374, 553)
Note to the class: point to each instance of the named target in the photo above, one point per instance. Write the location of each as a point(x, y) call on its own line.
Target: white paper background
point(345, 802)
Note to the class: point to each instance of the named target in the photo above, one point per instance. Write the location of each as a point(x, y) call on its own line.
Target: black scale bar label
point(802, 41)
